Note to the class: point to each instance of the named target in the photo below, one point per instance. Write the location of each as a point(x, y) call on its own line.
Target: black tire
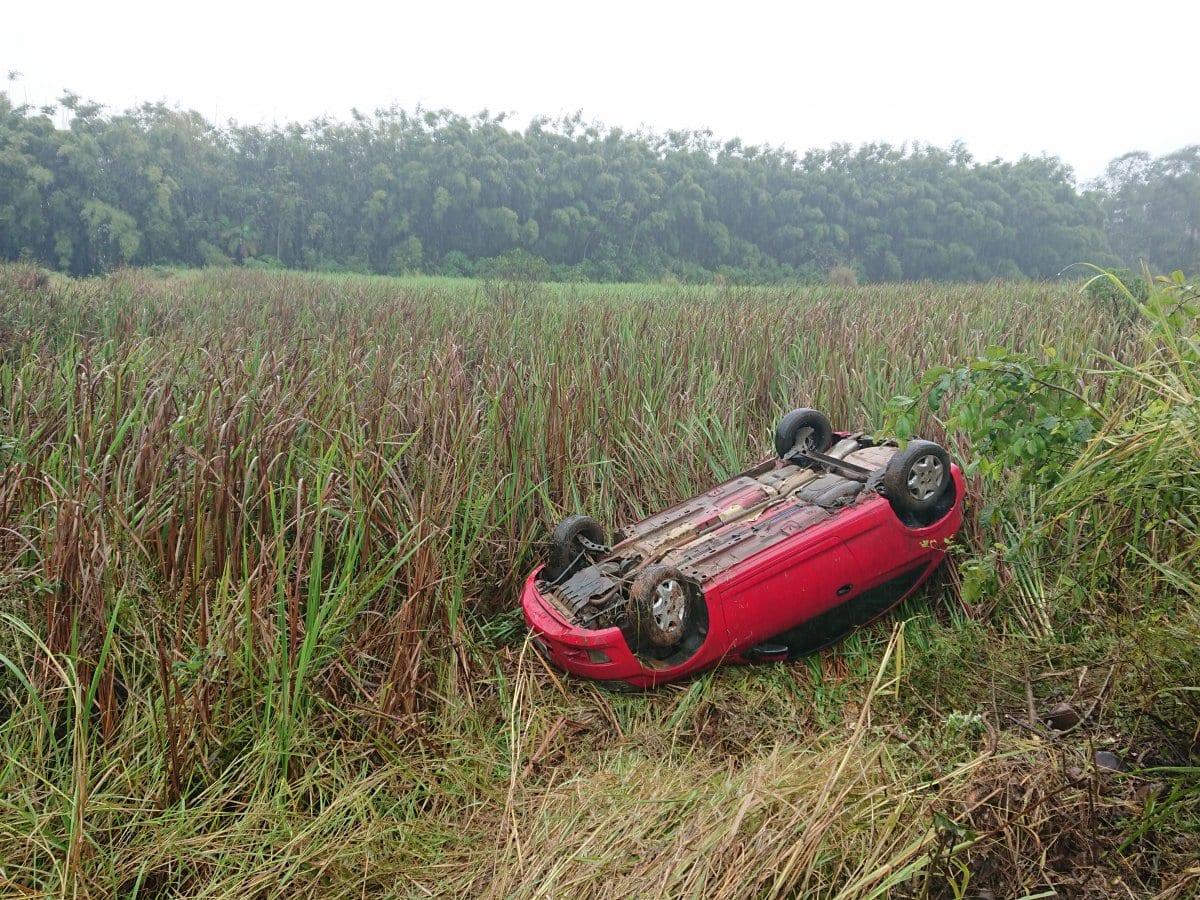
point(917, 478)
point(819, 439)
point(662, 605)
point(566, 552)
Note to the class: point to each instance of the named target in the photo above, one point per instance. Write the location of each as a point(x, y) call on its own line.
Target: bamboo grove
point(437, 192)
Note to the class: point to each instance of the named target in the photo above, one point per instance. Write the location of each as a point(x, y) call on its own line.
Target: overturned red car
point(776, 563)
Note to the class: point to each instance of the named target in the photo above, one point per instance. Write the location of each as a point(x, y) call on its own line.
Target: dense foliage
point(436, 192)
point(1152, 208)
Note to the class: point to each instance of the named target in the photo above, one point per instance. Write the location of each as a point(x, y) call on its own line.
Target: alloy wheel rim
point(925, 478)
point(667, 606)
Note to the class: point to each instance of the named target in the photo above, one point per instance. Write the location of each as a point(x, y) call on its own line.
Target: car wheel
point(662, 605)
point(819, 439)
point(916, 478)
point(568, 552)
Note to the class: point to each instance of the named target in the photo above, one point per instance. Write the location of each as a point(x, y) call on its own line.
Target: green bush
point(264, 263)
point(843, 276)
point(212, 255)
point(1119, 292)
point(457, 265)
point(516, 265)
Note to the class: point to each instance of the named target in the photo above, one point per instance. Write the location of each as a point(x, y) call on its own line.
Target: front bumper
point(600, 654)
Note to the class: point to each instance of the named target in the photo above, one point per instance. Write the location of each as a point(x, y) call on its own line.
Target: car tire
point(820, 439)
point(567, 554)
point(917, 478)
point(663, 607)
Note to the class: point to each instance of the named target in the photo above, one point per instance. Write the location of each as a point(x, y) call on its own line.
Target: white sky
point(1082, 81)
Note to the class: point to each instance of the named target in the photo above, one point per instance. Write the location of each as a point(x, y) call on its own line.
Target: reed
point(261, 539)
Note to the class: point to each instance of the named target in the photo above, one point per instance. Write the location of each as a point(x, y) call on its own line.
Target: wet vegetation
point(261, 536)
point(432, 191)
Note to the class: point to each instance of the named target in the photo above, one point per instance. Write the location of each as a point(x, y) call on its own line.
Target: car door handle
point(767, 653)
point(844, 589)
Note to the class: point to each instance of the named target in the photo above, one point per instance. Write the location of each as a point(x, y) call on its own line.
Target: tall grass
point(261, 538)
point(1138, 484)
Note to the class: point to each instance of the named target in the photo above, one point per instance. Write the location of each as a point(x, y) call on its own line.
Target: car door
point(785, 590)
point(842, 619)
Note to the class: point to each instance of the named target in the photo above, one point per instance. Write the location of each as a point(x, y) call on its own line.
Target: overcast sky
point(1082, 81)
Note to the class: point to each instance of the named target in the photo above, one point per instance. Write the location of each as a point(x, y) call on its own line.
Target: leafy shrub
point(568, 274)
point(264, 263)
point(516, 265)
point(1026, 416)
point(843, 277)
point(457, 265)
point(1111, 481)
point(1118, 292)
point(359, 265)
point(689, 272)
point(405, 257)
point(212, 255)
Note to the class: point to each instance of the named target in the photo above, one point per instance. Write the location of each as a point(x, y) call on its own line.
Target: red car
point(778, 562)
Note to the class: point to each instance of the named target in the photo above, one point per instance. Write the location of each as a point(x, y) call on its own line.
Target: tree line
point(434, 191)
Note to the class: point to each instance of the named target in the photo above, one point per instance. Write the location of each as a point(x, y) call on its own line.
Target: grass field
point(261, 537)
